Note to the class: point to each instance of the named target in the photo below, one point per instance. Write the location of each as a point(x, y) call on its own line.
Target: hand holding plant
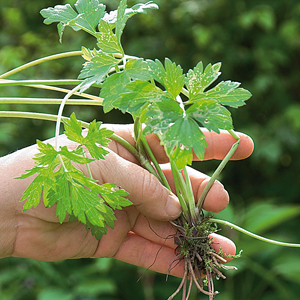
point(39, 235)
point(177, 118)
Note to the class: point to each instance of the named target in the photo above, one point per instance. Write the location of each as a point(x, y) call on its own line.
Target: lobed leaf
point(107, 39)
point(199, 79)
point(210, 114)
point(170, 76)
point(94, 141)
point(178, 132)
point(112, 88)
point(88, 15)
point(91, 12)
point(228, 93)
point(139, 96)
point(96, 69)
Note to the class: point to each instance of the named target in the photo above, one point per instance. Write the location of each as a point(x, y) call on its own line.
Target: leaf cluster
point(172, 105)
point(76, 196)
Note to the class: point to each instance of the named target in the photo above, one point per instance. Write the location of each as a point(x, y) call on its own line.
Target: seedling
point(162, 100)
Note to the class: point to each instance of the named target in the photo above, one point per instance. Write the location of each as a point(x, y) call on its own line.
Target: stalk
point(39, 61)
point(219, 169)
point(253, 235)
point(46, 101)
point(5, 82)
point(60, 111)
point(154, 161)
point(53, 88)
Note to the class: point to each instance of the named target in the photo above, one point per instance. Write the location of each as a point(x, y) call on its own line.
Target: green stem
point(39, 61)
point(152, 157)
point(219, 169)
point(183, 204)
point(190, 194)
point(36, 116)
point(60, 112)
point(62, 90)
point(17, 100)
point(231, 225)
point(4, 82)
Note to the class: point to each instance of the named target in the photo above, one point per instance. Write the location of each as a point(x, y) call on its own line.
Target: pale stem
point(6, 82)
point(46, 101)
point(253, 235)
point(54, 88)
point(60, 111)
point(219, 169)
point(39, 61)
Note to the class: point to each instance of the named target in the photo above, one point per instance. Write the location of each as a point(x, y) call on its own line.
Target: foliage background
point(258, 43)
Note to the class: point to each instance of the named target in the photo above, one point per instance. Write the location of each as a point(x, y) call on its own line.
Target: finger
point(146, 192)
point(217, 198)
point(139, 251)
point(218, 145)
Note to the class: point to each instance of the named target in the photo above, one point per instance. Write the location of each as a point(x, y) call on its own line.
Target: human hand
point(141, 230)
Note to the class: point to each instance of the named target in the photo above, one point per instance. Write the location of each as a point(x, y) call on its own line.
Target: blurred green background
point(258, 43)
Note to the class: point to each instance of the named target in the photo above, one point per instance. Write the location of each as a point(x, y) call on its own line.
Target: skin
point(142, 233)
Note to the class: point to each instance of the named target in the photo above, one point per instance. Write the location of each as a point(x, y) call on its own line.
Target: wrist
point(11, 189)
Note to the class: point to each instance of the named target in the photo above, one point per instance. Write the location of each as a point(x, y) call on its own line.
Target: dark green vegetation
point(259, 45)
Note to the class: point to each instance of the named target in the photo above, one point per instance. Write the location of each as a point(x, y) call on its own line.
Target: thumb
point(146, 192)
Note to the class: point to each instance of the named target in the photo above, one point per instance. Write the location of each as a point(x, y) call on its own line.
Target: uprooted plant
point(162, 100)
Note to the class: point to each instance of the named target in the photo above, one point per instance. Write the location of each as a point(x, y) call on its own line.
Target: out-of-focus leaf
point(52, 293)
point(264, 216)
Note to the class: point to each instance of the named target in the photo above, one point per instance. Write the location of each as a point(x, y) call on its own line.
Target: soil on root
point(202, 264)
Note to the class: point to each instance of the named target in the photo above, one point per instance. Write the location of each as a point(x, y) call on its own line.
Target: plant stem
point(219, 169)
point(60, 111)
point(16, 100)
point(36, 116)
point(253, 235)
point(152, 157)
point(182, 201)
point(39, 61)
point(58, 89)
point(5, 82)
point(191, 200)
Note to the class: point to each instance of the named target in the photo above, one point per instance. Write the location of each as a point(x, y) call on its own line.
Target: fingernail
point(173, 207)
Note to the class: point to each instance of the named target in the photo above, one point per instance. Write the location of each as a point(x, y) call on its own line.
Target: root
point(201, 262)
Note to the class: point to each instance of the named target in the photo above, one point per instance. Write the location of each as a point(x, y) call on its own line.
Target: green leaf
point(139, 96)
point(113, 196)
point(59, 183)
point(96, 69)
point(59, 13)
point(121, 19)
point(178, 132)
point(170, 76)
point(88, 15)
point(141, 8)
point(76, 155)
point(228, 93)
point(182, 139)
point(199, 79)
point(107, 39)
point(95, 140)
point(138, 69)
point(73, 129)
point(91, 12)
point(211, 115)
point(112, 88)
